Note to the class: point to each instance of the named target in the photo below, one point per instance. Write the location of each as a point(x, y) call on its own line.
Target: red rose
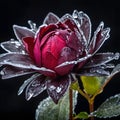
point(55, 51)
point(55, 44)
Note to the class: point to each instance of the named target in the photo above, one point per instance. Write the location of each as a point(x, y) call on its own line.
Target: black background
point(14, 107)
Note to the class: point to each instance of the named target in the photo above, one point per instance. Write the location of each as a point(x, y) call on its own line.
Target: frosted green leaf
point(109, 108)
point(82, 115)
point(48, 110)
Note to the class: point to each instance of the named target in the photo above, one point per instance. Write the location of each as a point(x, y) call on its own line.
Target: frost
point(109, 108)
point(13, 46)
point(10, 72)
point(101, 59)
point(96, 41)
point(21, 61)
point(32, 26)
point(26, 82)
point(48, 110)
point(74, 62)
point(21, 32)
point(50, 18)
point(36, 86)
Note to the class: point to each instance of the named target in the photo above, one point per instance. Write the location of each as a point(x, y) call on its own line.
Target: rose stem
point(71, 104)
point(91, 107)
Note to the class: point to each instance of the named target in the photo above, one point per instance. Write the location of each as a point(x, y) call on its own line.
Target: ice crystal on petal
point(36, 86)
point(10, 72)
point(26, 82)
point(50, 18)
point(57, 88)
point(21, 32)
point(32, 26)
point(13, 46)
point(74, 62)
point(101, 59)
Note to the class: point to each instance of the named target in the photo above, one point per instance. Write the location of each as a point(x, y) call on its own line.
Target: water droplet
point(32, 25)
point(117, 55)
point(75, 14)
point(29, 95)
point(58, 89)
point(2, 73)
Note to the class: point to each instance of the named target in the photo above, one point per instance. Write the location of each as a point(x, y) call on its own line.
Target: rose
point(55, 44)
point(55, 52)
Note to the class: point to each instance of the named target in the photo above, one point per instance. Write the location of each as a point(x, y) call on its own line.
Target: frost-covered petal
point(83, 22)
point(85, 25)
point(67, 54)
point(95, 71)
point(68, 20)
point(65, 64)
point(45, 29)
point(56, 88)
point(15, 59)
point(72, 24)
point(36, 86)
point(10, 72)
point(22, 32)
point(29, 45)
point(50, 18)
point(23, 62)
point(65, 69)
point(75, 44)
point(101, 59)
point(100, 35)
point(13, 46)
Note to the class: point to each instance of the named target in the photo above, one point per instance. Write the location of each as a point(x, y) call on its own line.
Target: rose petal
point(43, 30)
point(101, 59)
point(74, 62)
point(36, 86)
point(56, 88)
point(29, 45)
point(21, 32)
point(99, 38)
point(10, 72)
point(63, 70)
point(26, 82)
point(75, 42)
point(50, 18)
point(66, 55)
point(38, 43)
point(85, 25)
point(13, 46)
point(23, 62)
point(51, 51)
point(15, 59)
point(69, 21)
point(95, 71)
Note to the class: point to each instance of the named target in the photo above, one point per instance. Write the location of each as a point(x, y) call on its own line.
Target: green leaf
point(109, 108)
point(92, 84)
point(48, 110)
point(82, 115)
point(74, 85)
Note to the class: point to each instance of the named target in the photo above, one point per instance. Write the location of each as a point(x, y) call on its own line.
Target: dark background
point(14, 107)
